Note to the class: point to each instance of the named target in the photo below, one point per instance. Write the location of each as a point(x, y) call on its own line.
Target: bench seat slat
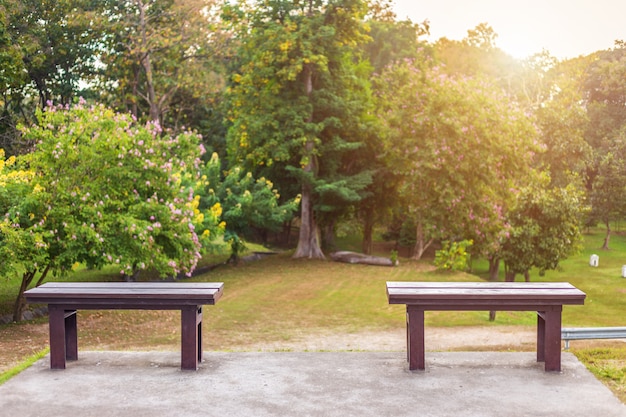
point(477, 294)
point(139, 285)
point(480, 293)
point(125, 293)
point(132, 295)
point(477, 285)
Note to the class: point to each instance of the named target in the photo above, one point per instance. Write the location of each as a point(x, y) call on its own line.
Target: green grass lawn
point(278, 292)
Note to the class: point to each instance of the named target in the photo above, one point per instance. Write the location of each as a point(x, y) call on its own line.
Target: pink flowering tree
point(461, 148)
point(104, 190)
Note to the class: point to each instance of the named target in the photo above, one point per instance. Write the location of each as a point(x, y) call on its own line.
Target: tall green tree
point(296, 102)
point(392, 42)
point(46, 50)
point(161, 58)
point(609, 184)
point(605, 96)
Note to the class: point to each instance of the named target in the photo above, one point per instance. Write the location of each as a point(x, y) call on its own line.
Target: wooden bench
point(547, 299)
point(65, 298)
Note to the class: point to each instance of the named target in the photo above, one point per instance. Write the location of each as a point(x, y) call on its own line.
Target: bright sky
point(565, 28)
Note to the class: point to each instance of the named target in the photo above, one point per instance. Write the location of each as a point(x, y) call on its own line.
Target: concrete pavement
point(343, 384)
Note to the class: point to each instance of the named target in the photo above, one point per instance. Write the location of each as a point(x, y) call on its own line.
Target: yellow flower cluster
point(12, 176)
point(198, 216)
point(216, 210)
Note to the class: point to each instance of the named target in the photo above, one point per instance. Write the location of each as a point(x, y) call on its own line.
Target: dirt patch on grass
point(18, 342)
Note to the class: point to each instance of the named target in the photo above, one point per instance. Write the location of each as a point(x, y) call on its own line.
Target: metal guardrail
point(580, 333)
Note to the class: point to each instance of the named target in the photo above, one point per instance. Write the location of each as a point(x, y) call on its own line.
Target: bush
point(453, 256)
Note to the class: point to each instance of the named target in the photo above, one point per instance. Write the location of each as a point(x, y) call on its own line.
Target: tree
point(562, 121)
point(391, 42)
point(609, 184)
point(606, 109)
point(12, 79)
point(162, 58)
point(544, 228)
point(605, 94)
point(476, 55)
point(460, 146)
point(102, 190)
point(46, 50)
point(295, 101)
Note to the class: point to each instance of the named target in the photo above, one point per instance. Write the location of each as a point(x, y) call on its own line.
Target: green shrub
point(453, 256)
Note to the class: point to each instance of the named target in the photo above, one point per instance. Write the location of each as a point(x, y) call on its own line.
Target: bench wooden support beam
point(547, 299)
point(549, 339)
point(191, 337)
point(415, 338)
point(59, 336)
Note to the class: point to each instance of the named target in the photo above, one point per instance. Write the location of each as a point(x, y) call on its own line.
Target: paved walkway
point(344, 384)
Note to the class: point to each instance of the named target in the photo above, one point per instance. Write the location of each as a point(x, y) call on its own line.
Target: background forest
point(145, 133)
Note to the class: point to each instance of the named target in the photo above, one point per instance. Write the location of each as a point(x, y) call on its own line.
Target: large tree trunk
point(308, 241)
point(607, 237)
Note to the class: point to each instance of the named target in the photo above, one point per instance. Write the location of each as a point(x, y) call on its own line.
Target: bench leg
point(71, 336)
point(199, 325)
point(415, 338)
point(552, 340)
point(189, 338)
point(56, 321)
point(541, 336)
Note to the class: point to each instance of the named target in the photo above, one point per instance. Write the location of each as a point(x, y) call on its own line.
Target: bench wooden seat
point(547, 299)
point(65, 298)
